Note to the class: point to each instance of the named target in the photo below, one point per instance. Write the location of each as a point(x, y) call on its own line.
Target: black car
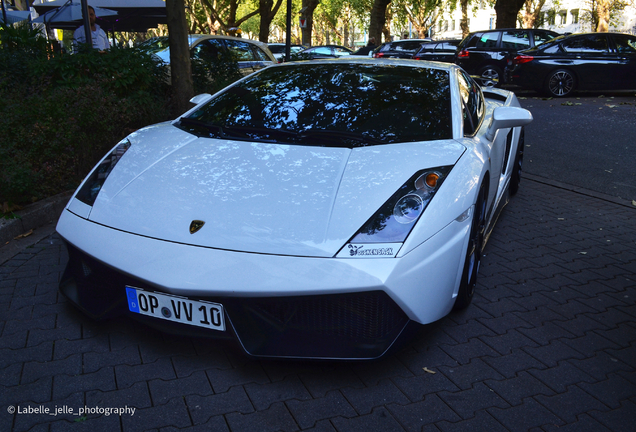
point(322, 51)
point(443, 51)
point(399, 49)
point(589, 61)
point(485, 54)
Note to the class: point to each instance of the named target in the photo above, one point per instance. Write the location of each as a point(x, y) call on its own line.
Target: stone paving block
point(61, 410)
point(127, 375)
point(482, 421)
point(135, 396)
point(413, 417)
point(64, 385)
point(215, 424)
point(275, 418)
point(33, 371)
point(529, 414)
point(320, 382)
point(264, 395)
point(613, 391)
point(467, 403)
point(545, 333)
point(590, 344)
point(371, 373)
point(308, 413)
point(464, 332)
point(59, 332)
point(621, 419)
point(165, 346)
point(512, 364)
point(465, 352)
point(94, 361)
point(202, 408)
point(502, 324)
point(174, 413)
point(582, 324)
point(416, 361)
point(365, 400)
point(569, 405)
point(560, 377)
point(582, 423)
point(162, 391)
point(379, 420)
point(39, 353)
point(464, 376)
point(515, 390)
point(185, 365)
point(10, 375)
point(626, 355)
point(508, 342)
point(109, 423)
point(223, 379)
point(417, 387)
point(554, 352)
point(36, 392)
point(65, 348)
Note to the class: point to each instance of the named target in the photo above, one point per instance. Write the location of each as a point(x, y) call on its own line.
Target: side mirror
point(507, 117)
point(201, 98)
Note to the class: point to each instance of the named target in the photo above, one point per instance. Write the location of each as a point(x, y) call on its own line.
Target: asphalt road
point(588, 141)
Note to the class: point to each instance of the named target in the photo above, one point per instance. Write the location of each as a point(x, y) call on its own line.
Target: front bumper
point(275, 306)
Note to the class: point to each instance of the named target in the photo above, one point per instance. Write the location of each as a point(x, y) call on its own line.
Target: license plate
point(177, 309)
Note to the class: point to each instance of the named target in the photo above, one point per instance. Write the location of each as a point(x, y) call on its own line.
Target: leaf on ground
point(427, 370)
point(26, 234)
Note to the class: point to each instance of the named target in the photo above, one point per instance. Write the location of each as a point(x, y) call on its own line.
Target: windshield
point(331, 104)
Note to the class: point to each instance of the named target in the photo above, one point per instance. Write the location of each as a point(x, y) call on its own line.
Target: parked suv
point(485, 54)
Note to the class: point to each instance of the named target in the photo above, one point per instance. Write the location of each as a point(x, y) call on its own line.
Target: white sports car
point(310, 210)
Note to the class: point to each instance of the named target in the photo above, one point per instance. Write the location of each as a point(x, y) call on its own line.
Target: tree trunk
point(180, 67)
point(308, 13)
point(267, 10)
point(378, 19)
point(532, 13)
point(507, 11)
point(603, 8)
point(463, 22)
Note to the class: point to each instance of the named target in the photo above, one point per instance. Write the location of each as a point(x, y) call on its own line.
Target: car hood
point(253, 196)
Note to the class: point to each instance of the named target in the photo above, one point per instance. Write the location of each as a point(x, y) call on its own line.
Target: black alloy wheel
point(473, 253)
point(515, 177)
point(560, 83)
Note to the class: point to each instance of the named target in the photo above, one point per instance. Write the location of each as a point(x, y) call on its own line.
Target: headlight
point(95, 180)
point(383, 234)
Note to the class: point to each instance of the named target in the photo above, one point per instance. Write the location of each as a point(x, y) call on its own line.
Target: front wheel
point(473, 253)
point(560, 83)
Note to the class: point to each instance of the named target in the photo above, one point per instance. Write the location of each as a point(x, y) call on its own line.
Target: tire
point(473, 254)
point(515, 177)
point(560, 83)
point(490, 76)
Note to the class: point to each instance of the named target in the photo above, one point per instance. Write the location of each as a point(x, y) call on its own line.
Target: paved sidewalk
point(549, 344)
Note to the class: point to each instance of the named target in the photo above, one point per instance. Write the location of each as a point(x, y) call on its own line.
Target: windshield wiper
point(211, 130)
point(341, 136)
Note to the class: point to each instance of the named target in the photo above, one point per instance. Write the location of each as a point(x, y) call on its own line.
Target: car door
point(590, 59)
point(625, 50)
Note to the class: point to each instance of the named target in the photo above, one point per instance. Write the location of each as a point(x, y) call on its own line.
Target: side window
point(625, 44)
point(472, 103)
point(540, 37)
point(242, 50)
point(340, 52)
point(323, 50)
point(488, 40)
point(588, 44)
point(515, 40)
point(259, 54)
point(473, 41)
point(207, 50)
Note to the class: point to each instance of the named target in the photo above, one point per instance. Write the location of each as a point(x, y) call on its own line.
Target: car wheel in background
point(515, 177)
point(490, 76)
point(560, 83)
point(473, 253)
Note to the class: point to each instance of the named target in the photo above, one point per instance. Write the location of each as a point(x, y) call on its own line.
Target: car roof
point(194, 38)
point(379, 61)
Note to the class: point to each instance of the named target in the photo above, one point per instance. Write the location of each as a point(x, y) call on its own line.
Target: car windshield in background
point(340, 105)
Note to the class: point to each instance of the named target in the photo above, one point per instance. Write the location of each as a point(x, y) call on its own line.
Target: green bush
point(60, 113)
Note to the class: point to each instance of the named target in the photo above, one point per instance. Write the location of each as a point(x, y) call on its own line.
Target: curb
point(33, 216)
